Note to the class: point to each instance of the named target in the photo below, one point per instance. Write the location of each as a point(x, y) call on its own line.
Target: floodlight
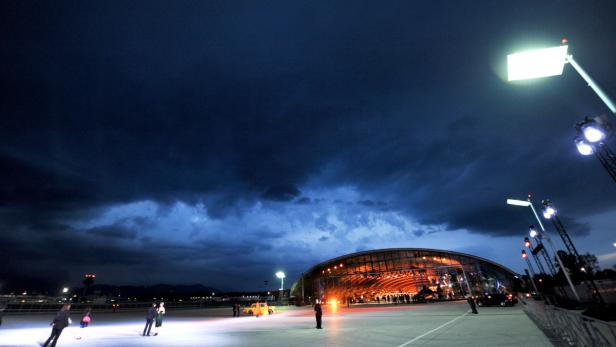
point(281, 275)
point(518, 202)
point(537, 63)
point(593, 132)
point(549, 212)
point(524, 255)
point(527, 242)
point(532, 231)
point(583, 147)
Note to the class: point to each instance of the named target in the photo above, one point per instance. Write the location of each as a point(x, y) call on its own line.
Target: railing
point(571, 326)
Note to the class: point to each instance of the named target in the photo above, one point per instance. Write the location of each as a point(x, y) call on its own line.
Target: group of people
point(236, 310)
point(62, 320)
point(154, 316)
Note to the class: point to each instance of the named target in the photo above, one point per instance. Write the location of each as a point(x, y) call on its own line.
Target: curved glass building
point(401, 274)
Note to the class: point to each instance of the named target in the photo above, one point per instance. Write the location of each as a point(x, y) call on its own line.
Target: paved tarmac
point(437, 324)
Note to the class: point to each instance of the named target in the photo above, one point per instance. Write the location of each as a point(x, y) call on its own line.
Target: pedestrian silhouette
point(318, 313)
point(149, 319)
point(60, 321)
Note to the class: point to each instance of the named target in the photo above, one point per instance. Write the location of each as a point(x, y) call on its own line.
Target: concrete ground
point(438, 324)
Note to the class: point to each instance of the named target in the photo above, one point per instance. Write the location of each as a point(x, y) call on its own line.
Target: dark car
point(497, 299)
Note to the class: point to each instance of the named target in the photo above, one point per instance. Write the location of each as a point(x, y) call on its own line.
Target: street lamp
point(532, 271)
point(549, 62)
point(64, 290)
point(281, 275)
point(592, 134)
point(549, 212)
point(529, 203)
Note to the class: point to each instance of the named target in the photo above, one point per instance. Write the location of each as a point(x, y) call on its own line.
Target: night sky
point(218, 142)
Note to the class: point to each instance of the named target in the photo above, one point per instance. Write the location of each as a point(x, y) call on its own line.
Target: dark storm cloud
point(233, 104)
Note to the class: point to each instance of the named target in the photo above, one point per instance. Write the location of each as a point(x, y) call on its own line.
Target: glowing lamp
point(537, 63)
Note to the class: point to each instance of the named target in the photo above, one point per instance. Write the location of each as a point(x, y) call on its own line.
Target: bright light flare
point(518, 202)
point(537, 63)
point(549, 212)
point(583, 147)
point(533, 232)
point(593, 133)
point(280, 274)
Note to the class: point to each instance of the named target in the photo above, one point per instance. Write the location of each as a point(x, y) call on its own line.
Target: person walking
point(149, 319)
point(60, 321)
point(471, 303)
point(2, 308)
point(318, 312)
point(85, 321)
point(159, 317)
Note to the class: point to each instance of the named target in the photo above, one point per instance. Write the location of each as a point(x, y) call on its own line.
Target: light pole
point(549, 212)
point(591, 137)
point(532, 272)
point(281, 275)
point(529, 203)
point(550, 62)
point(529, 245)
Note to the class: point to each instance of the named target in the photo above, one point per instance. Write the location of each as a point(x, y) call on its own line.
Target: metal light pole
point(549, 212)
point(281, 275)
point(591, 83)
point(532, 271)
point(532, 281)
point(529, 203)
point(529, 245)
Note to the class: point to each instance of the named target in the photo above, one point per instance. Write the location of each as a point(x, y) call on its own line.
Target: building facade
point(402, 274)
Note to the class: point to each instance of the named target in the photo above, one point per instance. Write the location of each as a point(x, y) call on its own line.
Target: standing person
point(318, 313)
point(238, 309)
point(159, 317)
point(235, 310)
point(85, 321)
point(2, 308)
point(60, 321)
point(149, 319)
point(258, 308)
point(471, 303)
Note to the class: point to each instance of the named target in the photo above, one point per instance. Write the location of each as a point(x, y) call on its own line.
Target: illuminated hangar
point(402, 274)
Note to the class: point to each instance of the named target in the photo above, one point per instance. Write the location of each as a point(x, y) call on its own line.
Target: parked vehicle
point(259, 308)
point(497, 299)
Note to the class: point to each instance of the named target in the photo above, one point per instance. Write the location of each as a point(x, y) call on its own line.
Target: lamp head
point(532, 231)
point(527, 242)
point(537, 63)
point(548, 210)
point(583, 147)
point(524, 255)
point(280, 274)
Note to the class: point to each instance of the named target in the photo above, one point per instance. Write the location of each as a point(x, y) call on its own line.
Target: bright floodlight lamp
point(549, 212)
point(583, 147)
point(281, 275)
point(593, 132)
point(537, 63)
point(65, 290)
point(532, 231)
point(524, 255)
point(518, 202)
point(527, 242)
